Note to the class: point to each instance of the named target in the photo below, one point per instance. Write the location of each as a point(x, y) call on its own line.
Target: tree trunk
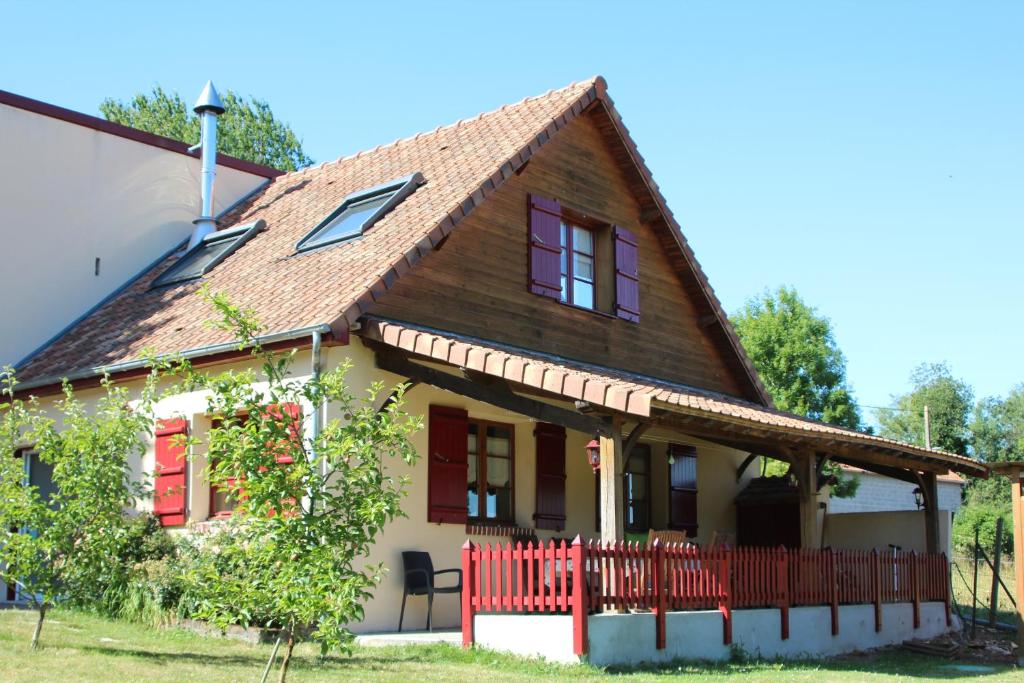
point(39, 626)
point(287, 654)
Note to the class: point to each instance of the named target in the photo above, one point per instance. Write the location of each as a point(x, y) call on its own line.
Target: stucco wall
point(884, 494)
point(716, 479)
point(870, 530)
point(628, 639)
point(92, 194)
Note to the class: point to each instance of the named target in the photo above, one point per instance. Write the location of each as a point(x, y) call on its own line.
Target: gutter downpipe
point(198, 352)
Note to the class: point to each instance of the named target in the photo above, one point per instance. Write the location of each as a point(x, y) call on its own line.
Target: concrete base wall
point(628, 639)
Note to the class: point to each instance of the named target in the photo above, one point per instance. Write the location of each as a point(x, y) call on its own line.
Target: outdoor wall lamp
point(594, 454)
point(919, 497)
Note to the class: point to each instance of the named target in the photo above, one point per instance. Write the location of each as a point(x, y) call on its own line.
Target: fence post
point(580, 637)
point(467, 593)
point(833, 590)
point(915, 587)
point(782, 587)
point(876, 580)
point(947, 581)
point(659, 586)
point(725, 594)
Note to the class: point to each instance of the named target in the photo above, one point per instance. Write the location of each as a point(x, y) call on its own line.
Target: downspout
point(314, 372)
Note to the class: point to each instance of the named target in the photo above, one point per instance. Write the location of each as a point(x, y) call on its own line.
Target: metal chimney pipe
point(208, 107)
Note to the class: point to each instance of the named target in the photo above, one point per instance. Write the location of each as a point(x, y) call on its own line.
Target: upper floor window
point(581, 261)
point(578, 266)
point(358, 211)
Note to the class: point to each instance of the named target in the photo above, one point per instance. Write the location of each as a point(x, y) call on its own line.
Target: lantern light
point(594, 454)
point(919, 497)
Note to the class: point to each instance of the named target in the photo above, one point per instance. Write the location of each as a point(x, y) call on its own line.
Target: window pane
point(583, 241)
point(499, 503)
point(350, 221)
point(472, 439)
point(499, 441)
point(498, 471)
point(473, 502)
point(563, 235)
point(583, 293)
point(221, 502)
point(583, 267)
point(40, 475)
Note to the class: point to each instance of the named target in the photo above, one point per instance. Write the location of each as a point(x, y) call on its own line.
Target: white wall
point(884, 494)
point(629, 639)
point(877, 530)
point(70, 194)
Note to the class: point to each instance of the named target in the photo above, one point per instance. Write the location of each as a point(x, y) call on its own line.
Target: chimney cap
point(209, 100)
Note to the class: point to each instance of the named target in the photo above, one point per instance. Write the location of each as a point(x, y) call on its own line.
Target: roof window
point(202, 258)
point(359, 211)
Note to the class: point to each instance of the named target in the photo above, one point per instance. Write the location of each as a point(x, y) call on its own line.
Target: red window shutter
point(447, 465)
point(627, 275)
point(682, 489)
point(291, 412)
point(170, 485)
point(550, 469)
point(545, 247)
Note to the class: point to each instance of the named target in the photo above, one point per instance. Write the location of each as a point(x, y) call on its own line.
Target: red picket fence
point(585, 577)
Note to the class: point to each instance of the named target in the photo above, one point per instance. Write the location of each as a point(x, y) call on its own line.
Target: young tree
point(247, 129)
point(949, 402)
point(796, 355)
point(308, 507)
point(59, 543)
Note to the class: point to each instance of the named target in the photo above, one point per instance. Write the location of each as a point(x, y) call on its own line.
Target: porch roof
point(706, 414)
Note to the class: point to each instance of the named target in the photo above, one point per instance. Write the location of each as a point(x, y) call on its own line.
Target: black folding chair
point(419, 580)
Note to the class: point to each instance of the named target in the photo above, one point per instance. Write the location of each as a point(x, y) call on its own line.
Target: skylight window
point(201, 259)
point(359, 211)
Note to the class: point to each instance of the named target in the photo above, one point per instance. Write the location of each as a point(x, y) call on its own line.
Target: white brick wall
point(882, 494)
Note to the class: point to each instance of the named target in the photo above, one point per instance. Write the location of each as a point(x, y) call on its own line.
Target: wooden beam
point(745, 464)
point(892, 472)
point(632, 440)
point(409, 386)
point(545, 412)
point(1017, 494)
point(930, 493)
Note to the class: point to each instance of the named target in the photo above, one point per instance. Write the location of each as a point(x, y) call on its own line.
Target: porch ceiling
point(715, 417)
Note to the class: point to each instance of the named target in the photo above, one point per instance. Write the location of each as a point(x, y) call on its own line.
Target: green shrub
point(981, 516)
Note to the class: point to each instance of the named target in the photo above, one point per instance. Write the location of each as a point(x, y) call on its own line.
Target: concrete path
point(452, 637)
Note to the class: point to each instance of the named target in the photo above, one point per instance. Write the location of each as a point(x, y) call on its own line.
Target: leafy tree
point(997, 429)
point(308, 509)
point(796, 355)
point(61, 543)
point(949, 402)
point(247, 129)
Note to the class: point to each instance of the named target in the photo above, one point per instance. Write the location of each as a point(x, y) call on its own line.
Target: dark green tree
point(247, 129)
point(796, 355)
point(949, 400)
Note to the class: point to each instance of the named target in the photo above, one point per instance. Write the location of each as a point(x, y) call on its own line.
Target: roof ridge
point(589, 82)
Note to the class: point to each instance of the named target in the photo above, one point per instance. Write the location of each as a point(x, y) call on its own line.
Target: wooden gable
point(477, 282)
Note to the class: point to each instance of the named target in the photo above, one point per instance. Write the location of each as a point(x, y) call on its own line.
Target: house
point(114, 198)
point(886, 512)
point(523, 269)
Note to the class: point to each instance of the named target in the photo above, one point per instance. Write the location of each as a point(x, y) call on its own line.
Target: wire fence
point(962, 577)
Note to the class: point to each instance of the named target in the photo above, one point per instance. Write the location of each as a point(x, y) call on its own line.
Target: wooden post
point(580, 609)
point(930, 493)
point(997, 558)
point(876, 581)
point(660, 587)
point(948, 588)
point(782, 588)
point(468, 584)
point(612, 528)
point(974, 590)
point(725, 594)
point(807, 479)
point(1018, 558)
point(915, 586)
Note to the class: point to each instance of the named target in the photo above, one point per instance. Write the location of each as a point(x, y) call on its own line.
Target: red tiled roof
point(462, 163)
point(625, 392)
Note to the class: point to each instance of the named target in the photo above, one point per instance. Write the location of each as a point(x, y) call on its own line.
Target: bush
point(981, 517)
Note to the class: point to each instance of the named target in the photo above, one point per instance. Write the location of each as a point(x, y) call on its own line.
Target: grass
point(82, 647)
point(962, 583)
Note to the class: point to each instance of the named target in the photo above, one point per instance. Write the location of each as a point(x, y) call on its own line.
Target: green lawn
point(77, 647)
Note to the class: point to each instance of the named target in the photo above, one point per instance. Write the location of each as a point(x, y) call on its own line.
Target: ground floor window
point(489, 475)
point(636, 490)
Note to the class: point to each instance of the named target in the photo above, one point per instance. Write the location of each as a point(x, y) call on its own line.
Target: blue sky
point(869, 154)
